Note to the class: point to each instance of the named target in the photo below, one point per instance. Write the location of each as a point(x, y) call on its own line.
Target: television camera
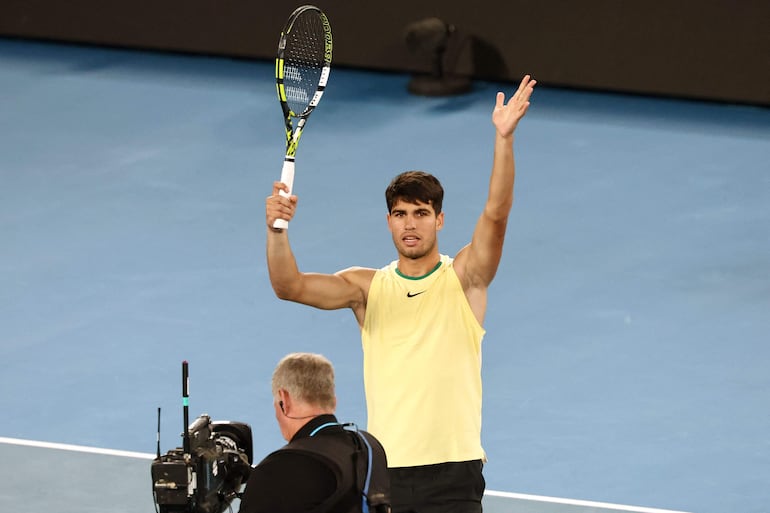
point(207, 472)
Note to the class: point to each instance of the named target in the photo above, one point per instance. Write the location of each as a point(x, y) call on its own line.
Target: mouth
point(410, 240)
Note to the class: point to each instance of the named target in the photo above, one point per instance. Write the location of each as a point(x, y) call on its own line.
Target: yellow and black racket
point(301, 71)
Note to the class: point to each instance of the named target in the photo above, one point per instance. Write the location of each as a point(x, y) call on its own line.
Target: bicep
point(326, 291)
point(476, 264)
point(344, 289)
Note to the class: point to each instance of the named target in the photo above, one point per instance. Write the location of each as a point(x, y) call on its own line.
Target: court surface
point(626, 360)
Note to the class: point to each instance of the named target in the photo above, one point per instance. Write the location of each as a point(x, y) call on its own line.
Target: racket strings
point(303, 61)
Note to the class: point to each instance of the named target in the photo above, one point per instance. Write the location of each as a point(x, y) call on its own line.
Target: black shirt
point(286, 482)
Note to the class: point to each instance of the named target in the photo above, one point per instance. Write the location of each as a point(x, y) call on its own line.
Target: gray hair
point(307, 377)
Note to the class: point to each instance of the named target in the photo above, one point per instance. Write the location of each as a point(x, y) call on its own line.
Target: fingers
point(278, 206)
point(528, 88)
point(525, 82)
point(524, 91)
point(507, 115)
point(500, 100)
point(521, 97)
point(280, 186)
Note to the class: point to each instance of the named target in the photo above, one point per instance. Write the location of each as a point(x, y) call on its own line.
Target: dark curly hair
point(414, 186)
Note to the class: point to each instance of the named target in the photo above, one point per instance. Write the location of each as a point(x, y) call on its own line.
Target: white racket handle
point(287, 177)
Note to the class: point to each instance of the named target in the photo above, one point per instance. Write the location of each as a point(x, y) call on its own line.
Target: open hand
point(506, 116)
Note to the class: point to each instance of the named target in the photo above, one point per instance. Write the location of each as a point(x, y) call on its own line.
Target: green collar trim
point(419, 277)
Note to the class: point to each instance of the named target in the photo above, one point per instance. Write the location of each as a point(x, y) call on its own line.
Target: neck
point(296, 422)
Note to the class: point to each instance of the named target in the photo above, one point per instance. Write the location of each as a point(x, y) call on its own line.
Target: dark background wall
point(702, 49)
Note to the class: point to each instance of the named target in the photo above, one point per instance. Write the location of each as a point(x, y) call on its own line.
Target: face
point(414, 228)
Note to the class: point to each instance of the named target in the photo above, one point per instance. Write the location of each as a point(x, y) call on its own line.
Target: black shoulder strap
point(372, 472)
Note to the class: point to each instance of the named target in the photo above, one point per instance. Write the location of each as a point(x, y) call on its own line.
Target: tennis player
point(421, 320)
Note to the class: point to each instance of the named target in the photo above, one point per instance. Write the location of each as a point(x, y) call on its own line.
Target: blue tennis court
point(626, 361)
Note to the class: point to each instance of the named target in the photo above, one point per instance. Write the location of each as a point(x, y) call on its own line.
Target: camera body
point(206, 474)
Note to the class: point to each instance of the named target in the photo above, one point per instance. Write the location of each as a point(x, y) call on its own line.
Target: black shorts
point(455, 487)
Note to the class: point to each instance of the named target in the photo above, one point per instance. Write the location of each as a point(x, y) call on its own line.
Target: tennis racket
point(301, 70)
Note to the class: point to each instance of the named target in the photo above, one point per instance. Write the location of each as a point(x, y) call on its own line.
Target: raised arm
point(345, 289)
point(477, 263)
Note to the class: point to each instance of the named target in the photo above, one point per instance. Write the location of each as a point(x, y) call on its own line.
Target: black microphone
point(280, 403)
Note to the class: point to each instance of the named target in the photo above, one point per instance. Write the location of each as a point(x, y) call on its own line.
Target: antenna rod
point(158, 432)
point(186, 406)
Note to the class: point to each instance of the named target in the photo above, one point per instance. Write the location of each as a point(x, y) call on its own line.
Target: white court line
point(76, 448)
point(508, 495)
point(577, 502)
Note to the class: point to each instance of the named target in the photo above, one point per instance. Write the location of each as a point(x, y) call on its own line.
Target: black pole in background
point(186, 406)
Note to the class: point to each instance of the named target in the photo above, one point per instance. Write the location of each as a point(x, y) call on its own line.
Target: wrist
point(504, 139)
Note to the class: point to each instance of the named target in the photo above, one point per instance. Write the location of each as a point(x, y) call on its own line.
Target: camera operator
point(324, 466)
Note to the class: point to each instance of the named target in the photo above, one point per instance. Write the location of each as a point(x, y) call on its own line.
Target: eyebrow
point(403, 211)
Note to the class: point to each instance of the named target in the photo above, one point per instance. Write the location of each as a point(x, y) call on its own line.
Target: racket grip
point(287, 177)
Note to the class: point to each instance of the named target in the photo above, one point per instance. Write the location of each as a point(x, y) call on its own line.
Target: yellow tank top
point(422, 367)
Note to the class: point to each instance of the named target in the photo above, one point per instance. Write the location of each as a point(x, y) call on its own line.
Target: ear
point(440, 221)
point(284, 399)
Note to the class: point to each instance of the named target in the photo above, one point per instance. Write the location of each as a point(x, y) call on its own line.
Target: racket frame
point(293, 133)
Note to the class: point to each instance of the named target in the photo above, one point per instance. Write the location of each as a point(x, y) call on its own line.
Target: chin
point(413, 253)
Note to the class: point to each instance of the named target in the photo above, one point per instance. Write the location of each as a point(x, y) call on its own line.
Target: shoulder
point(360, 277)
point(375, 443)
point(357, 272)
point(285, 462)
point(287, 481)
